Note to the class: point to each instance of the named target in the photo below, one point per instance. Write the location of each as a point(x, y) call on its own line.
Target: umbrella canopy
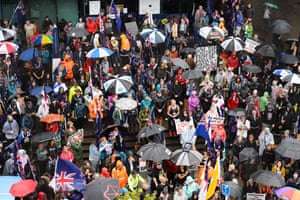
point(266, 51)
point(271, 5)
point(50, 118)
point(118, 85)
point(268, 178)
point(289, 59)
point(38, 90)
point(29, 54)
point(281, 27)
point(155, 152)
point(289, 148)
point(252, 68)
point(41, 39)
point(237, 112)
point(233, 44)
point(5, 183)
point(186, 158)
point(288, 192)
point(8, 47)
point(290, 40)
point(192, 74)
point(211, 33)
point(293, 78)
point(42, 137)
point(110, 128)
point(23, 188)
point(150, 130)
point(180, 62)
point(247, 154)
point(235, 189)
point(100, 52)
point(78, 32)
point(6, 34)
point(102, 188)
point(187, 50)
point(155, 36)
point(126, 104)
point(282, 72)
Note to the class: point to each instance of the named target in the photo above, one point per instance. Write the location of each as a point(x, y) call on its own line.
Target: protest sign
point(206, 58)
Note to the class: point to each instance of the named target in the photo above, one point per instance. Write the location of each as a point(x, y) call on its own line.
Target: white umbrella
point(100, 52)
point(126, 104)
point(155, 36)
point(293, 78)
point(233, 44)
point(8, 47)
point(118, 85)
point(6, 33)
point(211, 33)
point(180, 62)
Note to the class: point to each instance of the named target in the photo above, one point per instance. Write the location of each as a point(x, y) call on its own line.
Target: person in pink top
point(66, 154)
point(193, 101)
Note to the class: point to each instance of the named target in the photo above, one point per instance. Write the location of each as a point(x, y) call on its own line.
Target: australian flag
point(68, 176)
point(114, 10)
point(202, 131)
point(20, 15)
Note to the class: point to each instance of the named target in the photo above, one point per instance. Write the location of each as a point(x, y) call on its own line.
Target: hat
point(189, 180)
point(130, 153)
point(164, 21)
point(104, 172)
point(194, 92)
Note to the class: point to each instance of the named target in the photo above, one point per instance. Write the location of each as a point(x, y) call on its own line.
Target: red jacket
point(233, 103)
point(91, 26)
point(232, 61)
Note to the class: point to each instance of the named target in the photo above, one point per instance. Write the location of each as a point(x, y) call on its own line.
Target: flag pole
point(13, 15)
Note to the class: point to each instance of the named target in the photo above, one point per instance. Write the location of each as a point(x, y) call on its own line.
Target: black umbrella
point(150, 130)
point(186, 158)
point(235, 189)
point(289, 59)
point(78, 32)
point(281, 27)
point(266, 51)
point(6, 34)
point(110, 128)
point(155, 152)
point(187, 50)
point(102, 188)
point(289, 148)
point(42, 137)
point(252, 68)
point(290, 40)
point(192, 74)
point(268, 178)
point(247, 154)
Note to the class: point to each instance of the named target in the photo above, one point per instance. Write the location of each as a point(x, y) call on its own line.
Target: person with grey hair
point(265, 138)
point(10, 129)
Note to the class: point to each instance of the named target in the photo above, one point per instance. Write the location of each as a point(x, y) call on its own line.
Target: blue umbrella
point(5, 184)
point(282, 72)
point(99, 53)
point(29, 54)
point(38, 90)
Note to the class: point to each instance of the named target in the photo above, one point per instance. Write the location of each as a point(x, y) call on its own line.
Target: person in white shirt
point(265, 138)
point(243, 126)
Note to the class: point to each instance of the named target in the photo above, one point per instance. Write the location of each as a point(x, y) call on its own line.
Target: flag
point(55, 44)
point(79, 133)
point(91, 83)
point(20, 15)
point(98, 127)
point(114, 10)
point(204, 184)
point(68, 176)
point(209, 3)
point(202, 131)
point(214, 180)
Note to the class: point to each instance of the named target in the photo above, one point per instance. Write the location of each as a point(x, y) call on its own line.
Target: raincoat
point(69, 64)
point(119, 171)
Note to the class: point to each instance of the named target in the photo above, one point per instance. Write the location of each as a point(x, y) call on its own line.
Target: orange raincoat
point(120, 172)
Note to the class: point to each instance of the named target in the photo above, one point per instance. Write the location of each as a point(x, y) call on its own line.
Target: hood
point(233, 53)
point(189, 180)
point(266, 94)
point(67, 57)
point(119, 164)
point(90, 19)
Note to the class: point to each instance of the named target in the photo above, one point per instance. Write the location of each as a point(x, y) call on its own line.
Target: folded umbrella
point(154, 152)
point(269, 178)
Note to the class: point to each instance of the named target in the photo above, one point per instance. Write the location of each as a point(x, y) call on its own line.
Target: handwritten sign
point(250, 45)
point(206, 58)
point(180, 125)
point(255, 196)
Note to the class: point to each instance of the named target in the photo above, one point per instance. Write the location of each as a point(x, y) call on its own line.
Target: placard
point(132, 28)
point(180, 125)
point(206, 58)
point(250, 45)
point(142, 165)
point(256, 196)
point(79, 133)
point(94, 7)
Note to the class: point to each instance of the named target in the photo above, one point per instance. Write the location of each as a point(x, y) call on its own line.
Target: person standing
point(29, 32)
point(267, 16)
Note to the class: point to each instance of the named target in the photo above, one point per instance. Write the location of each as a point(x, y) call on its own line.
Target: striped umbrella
point(8, 47)
point(118, 85)
point(211, 33)
point(233, 44)
point(155, 36)
point(100, 52)
point(282, 72)
point(6, 33)
point(42, 39)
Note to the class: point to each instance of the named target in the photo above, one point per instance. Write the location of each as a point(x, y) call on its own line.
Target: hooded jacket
point(91, 26)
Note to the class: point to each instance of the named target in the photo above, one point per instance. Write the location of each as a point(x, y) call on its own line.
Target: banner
point(255, 196)
point(206, 58)
point(132, 28)
point(79, 133)
point(180, 125)
point(215, 121)
point(250, 45)
point(142, 165)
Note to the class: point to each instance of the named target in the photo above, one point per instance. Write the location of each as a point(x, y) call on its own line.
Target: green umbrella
point(271, 5)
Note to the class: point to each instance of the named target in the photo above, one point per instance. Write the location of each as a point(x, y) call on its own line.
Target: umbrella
point(192, 74)
point(110, 128)
point(23, 188)
point(266, 51)
point(186, 158)
point(211, 33)
point(293, 78)
point(6, 34)
point(233, 44)
point(180, 62)
point(5, 183)
point(118, 85)
point(102, 188)
point(29, 54)
point(288, 192)
point(8, 47)
point(271, 5)
point(155, 152)
point(42, 39)
point(282, 72)
point(50, 118)
point(42, 137)
point(38, 90)
point(281, 27)
point(155, 36)
point(78, 32)
point(126, 104)
point(268, 178)
point(187, 50)
point(237, 112)
point(289, 148)
point(252, 68)
point(150, 130)
point(100, 52)
point(235, 189)
point(289, 59)
point(290, 40)
point(247, 154)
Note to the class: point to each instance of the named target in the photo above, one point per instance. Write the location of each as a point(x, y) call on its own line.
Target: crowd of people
point(268, 105)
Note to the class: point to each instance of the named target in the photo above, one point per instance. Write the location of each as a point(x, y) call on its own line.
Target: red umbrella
point(50, 118)
point(23, 188)
point(8, 47)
